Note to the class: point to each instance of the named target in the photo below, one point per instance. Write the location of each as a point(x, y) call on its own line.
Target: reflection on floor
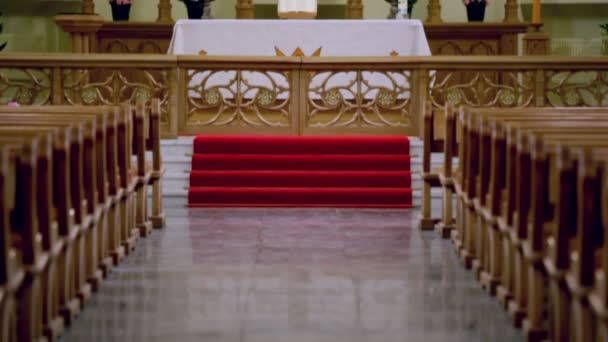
point(292, 275)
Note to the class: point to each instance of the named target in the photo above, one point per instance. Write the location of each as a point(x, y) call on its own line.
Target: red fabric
point(295, 171)
point(302, 145)
point(279, 196)
point(301, 162)
point(289, 178)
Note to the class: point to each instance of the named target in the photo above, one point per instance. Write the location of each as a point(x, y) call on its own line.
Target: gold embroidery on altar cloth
point(298, 52)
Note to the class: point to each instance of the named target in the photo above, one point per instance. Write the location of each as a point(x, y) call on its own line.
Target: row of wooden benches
point(73, 203)
point(531, 215)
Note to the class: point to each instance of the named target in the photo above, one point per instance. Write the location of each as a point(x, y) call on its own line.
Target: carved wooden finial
point(164, 12)
point(511, 12)
point(88, 7)
point(434, 9)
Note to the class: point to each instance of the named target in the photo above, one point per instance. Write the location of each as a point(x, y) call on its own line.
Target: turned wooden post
point(245, 9)
point(164, 12)
point(511, 12)
point(434, 9)
point(354, 9)
point(88, 7)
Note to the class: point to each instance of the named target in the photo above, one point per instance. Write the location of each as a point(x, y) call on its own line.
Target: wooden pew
point(53, 217)
point(471, 231)
point(568, 241)
point(78, 167)
point(561, 248)
point(521, 197)
point(527, 260)
point(118, 190)
point(468, 184)
point(143, 124)
point(454, 130)
point(153, 145)
point(27, 243)
point(12, 270)
point(95, 152)
point(432, 143)
point(597, 296)
point(22, 129)
point(93, 224)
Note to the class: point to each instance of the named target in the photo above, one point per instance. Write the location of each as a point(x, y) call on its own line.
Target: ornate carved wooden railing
point(293, 95)
point(91, 79)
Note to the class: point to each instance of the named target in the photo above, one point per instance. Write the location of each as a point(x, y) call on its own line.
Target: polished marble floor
point(291, 275)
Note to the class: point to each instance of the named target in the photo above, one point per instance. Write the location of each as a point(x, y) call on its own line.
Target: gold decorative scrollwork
point(482, 88)
point(333, 97)
point(25, 86)
point(265, 97)
point(212, 96)
point(238, 98)
point(114, 86)
point(359, 99)
point(577, 88)
point(386, 98)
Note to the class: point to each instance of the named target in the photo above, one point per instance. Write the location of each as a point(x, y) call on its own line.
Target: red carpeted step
point(288, 196)
point(351, 162)
point(282, 178)
point(302, 145)
point(293, 171)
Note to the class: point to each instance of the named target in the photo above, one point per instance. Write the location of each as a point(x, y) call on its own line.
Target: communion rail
point(301, 95)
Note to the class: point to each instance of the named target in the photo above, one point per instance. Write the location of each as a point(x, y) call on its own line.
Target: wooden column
point(164, 12)
point(511, 16)
point(434, 9)
point(82, 29)
point(354, 9)
point(245, 9)
point(88, 7)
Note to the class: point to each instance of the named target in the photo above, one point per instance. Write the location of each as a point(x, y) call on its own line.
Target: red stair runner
point(295, 171)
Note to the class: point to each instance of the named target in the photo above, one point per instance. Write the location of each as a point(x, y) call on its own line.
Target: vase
point(195, 8)
point(120, 12)
point(392, 12)
point(476, 10)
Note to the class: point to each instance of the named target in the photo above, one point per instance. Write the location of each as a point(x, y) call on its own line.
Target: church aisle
point(292, 275)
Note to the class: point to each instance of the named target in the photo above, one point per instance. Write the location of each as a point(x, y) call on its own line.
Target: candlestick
point(536, 12)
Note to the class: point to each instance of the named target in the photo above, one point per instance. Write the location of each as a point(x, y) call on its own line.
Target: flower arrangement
point(476, 9)
point(2, 45)
point(195, 8)
point(121, 9)
point(604, 28)
point(410, 5)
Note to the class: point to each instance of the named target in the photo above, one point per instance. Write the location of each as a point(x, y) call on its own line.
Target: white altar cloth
point(342, 38)
point(352, 38)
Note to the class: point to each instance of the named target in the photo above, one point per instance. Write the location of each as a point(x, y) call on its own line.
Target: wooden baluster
point(434, 9)
point(245, 9)
point(88, 7)
point(164, 12)
point(511, 12)
point(354, 9)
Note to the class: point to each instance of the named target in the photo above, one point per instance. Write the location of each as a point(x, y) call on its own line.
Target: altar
point(345, 38)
